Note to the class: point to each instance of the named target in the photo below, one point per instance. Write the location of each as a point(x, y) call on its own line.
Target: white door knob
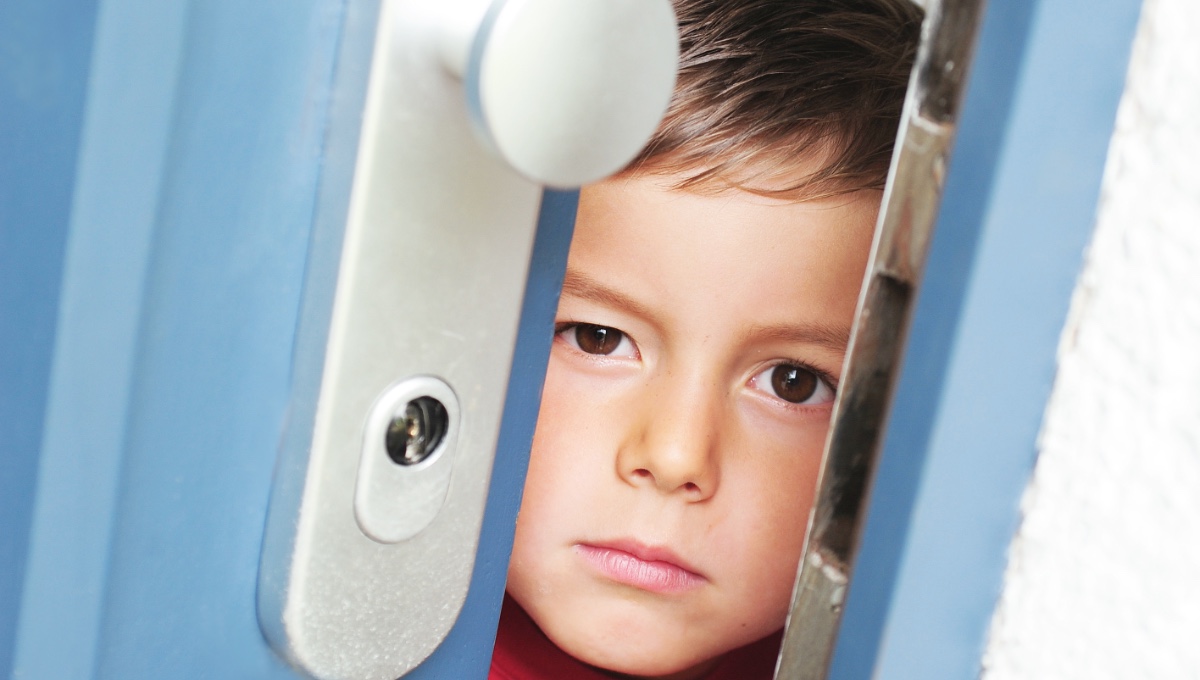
point(566, 91)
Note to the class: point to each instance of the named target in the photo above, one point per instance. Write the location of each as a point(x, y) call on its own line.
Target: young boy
point(709, 294)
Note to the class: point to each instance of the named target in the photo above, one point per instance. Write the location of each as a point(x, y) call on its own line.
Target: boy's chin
point(627, 650)
point(654, 666)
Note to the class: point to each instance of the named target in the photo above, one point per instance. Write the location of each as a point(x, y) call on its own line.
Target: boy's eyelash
point(560, 326)
point(622, 337)
point(823, 375)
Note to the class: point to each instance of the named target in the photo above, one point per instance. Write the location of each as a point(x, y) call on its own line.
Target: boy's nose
point(674, 444)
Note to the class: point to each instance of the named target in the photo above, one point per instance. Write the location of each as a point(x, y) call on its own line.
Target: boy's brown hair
point(796, 99)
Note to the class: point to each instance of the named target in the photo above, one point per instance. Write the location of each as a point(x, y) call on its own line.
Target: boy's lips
point(655, 569)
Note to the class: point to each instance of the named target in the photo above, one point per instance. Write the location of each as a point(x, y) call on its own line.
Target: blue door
point(177, 181)
point(174, 174)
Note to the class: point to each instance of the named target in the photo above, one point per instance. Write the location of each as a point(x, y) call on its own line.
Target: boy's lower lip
point(653, 575)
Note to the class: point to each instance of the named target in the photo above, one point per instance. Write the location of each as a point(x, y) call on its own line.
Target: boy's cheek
point(572, 479)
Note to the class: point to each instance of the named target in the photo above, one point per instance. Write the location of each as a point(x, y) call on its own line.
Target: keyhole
point(416, 432)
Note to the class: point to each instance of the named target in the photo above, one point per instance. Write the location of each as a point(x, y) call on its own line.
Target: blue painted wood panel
point(42, 96)
point(191, 209)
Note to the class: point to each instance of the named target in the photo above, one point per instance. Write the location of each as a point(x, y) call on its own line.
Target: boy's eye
point(602, 340)
point(795, 384)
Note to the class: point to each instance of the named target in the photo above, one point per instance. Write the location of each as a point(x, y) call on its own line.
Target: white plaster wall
point(1104, 574)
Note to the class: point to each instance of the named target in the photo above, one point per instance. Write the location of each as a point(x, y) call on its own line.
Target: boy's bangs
point(805, 170)
point(804, 104)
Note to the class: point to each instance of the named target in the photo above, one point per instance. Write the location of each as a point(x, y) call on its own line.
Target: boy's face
point(699, 343)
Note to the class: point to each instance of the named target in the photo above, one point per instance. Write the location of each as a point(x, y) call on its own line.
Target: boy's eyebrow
point(581, 286)
point(835, 338)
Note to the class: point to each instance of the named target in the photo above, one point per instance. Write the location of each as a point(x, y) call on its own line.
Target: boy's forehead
point(761, 261)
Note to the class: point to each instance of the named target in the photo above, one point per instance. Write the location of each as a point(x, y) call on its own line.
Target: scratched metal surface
point(906, 221)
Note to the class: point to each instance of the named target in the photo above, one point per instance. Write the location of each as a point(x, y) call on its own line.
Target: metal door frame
point(1016, 216)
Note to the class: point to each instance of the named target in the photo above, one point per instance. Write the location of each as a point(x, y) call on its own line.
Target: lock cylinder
point(414, 434)
point(407, 458)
